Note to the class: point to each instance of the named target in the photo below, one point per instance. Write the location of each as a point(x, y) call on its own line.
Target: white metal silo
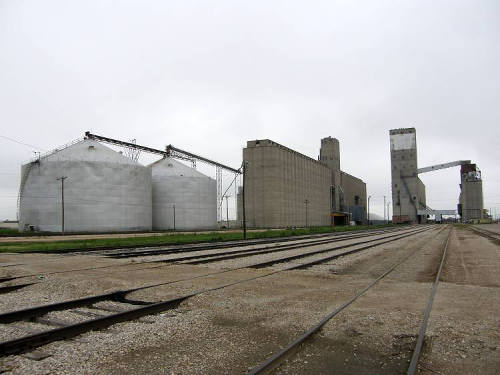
point(183, 198)
point(104, 191)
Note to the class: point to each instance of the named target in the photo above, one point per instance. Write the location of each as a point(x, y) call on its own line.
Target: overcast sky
point(207, 76)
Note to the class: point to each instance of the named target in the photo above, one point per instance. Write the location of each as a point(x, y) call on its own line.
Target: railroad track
point(412, 369)
point(228, 255)
point(275, 360)
point(225, 245)
point(486, 233)
point(138, 247)
point(107, 309)
point(331, 238)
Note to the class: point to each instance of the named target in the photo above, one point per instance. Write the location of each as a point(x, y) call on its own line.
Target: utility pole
point(388, 210)
point(174, 216)
point(227, 211)
point(62, 178)
point(243, 197)
point(384, 211)
point(332, 222)
point(306, 203)
point(369, 209)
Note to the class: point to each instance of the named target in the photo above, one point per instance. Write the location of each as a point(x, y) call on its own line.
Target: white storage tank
point(183, 198)
point(104, 191)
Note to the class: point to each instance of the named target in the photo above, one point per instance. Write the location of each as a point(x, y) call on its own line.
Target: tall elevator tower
point(470, 205)
point(329, 155)
point(408, 191)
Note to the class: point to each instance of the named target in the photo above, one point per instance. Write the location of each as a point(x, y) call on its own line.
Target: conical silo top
point(167, 167)
point(88, 150)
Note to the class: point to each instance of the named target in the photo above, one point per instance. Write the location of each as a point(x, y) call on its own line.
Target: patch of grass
point(167, 239)
point(8, 232)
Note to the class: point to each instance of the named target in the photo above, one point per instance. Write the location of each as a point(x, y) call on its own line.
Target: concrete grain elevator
point(408, 191)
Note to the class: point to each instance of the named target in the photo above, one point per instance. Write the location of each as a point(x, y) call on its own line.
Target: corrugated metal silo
point(183, 198)
point(104, 191)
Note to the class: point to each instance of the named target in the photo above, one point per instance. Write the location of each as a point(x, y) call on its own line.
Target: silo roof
point(171, 167)
point(89, 150)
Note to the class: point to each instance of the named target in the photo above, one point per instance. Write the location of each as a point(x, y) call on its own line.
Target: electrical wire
point(21, 143)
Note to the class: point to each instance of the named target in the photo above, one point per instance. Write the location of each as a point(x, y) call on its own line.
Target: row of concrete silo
point(105, 191)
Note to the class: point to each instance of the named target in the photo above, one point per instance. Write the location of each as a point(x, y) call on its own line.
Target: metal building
point(103, 191)
point(183, 198)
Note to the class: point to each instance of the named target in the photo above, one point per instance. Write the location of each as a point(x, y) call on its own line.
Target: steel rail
point(274, 360)
point(33, 312)
point(219, 256)
point(26, 343)
point(224, 243)
point(487, 233)
point(205, 258)
point(299, 256)
point(124, 255)
point(9, 278)
point(311, 263)
point(281, 260)
point(239, 255)
point(118, 295)
point(204, 275)
point(168, 262)
point(189, 249)
point(421, 333)
point(139, 253)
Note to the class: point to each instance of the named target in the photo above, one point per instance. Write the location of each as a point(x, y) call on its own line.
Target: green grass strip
point(166, 239)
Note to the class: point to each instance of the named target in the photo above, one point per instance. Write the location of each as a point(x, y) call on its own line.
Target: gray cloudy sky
point(207, 76)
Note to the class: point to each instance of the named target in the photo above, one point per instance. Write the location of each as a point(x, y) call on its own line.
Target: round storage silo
point(183, 198)
point(103, 191)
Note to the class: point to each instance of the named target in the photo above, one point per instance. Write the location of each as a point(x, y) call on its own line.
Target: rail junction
point(168, 287)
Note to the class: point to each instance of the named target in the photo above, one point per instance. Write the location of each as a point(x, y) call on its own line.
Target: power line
point(21, 143)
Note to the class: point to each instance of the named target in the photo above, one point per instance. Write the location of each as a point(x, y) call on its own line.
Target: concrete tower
point(408, 191)
point(471, 194)
point(329, 155)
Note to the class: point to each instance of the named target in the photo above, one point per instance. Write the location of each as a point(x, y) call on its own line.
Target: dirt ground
point(231, 330)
